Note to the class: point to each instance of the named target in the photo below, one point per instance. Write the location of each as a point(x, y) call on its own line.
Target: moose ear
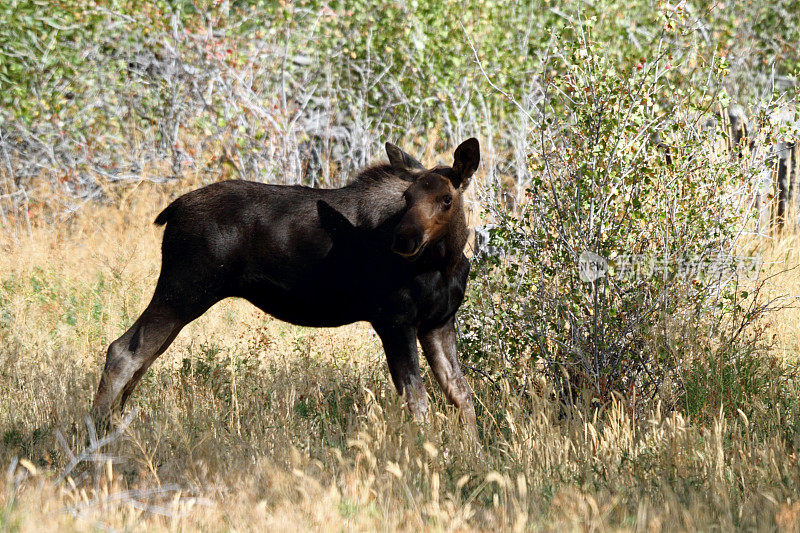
point(401, 160)
point(332, 221)
point(465, 162)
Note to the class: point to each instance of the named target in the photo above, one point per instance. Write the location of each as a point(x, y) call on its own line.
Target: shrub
point(665, 231)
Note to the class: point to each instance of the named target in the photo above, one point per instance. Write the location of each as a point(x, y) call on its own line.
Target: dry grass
point(782, 257)
point(251, 424)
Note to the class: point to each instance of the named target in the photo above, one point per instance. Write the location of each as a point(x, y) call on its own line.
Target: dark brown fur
point(386, 249)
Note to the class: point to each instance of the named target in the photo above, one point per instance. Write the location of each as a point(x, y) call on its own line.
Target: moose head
point(434, 199)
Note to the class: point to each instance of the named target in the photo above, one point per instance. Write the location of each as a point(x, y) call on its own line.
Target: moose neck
point(456, 236)
point(375, 196)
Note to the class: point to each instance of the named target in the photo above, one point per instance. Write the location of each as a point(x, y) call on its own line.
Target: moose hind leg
point(439, 347)
point(131, 385)
point(400, 345)
point(130, 355)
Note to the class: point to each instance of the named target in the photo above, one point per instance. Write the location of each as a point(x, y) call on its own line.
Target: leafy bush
point(667, 227)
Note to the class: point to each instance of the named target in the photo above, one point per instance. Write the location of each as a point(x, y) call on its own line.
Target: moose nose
point(405, 245)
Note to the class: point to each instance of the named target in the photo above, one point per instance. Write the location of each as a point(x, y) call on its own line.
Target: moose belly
point(429, 299)
point(309, 302)
point(311, 312)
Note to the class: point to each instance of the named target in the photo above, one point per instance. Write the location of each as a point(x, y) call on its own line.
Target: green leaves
point(607, 190)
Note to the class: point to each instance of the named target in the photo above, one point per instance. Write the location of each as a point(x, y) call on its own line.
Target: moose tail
point(167, 214)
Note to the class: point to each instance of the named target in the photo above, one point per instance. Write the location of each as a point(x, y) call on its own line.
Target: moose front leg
point(439, 347)
point(400, 345)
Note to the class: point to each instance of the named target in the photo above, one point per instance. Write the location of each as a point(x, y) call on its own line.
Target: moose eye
point(447, 200)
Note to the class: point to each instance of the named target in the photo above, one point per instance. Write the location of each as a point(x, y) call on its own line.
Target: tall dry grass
point(247, 423)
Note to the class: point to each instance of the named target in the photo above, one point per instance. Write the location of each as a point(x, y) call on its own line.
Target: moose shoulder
point(386, 249)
